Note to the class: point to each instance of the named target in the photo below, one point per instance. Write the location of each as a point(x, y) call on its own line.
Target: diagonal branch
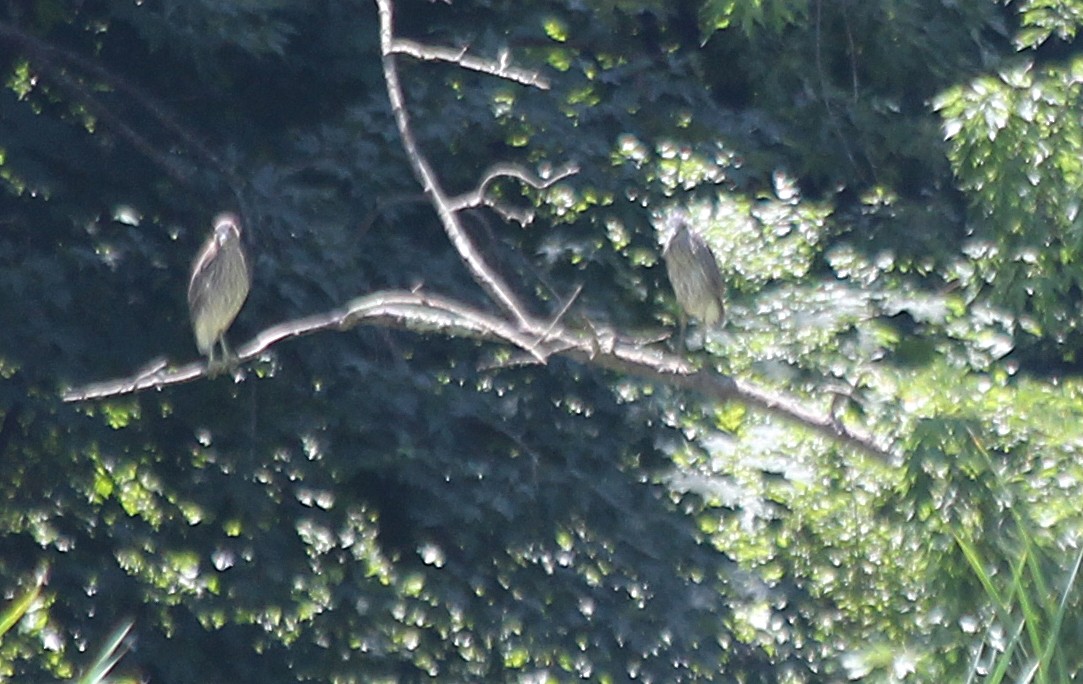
point(80, 93)
point(50, 56)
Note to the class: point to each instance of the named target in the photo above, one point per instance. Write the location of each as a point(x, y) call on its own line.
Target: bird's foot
point(228, 361)
point(215, 367)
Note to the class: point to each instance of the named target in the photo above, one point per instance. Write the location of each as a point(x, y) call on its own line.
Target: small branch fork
point(537, 339)
point(477, 198)
point(493, 285)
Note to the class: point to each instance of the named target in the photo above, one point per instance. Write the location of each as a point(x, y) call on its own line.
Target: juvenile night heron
point(218, 288)
point(693, 273)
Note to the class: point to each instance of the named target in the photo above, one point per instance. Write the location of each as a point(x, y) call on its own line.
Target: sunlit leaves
point(773, 15)
point(121, 413)
point(1017, 148)
point(20, 80)
point(377, 505)
point(1042, 19)
point(556, 29)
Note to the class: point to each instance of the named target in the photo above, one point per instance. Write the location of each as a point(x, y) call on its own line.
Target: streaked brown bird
point(218, 288)
point(693, 273)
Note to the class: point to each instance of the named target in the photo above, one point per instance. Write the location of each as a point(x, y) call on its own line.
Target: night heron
point(218, 288)
point(693, 273)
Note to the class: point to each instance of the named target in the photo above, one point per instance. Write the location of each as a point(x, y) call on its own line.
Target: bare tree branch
point(500, 68)
point(484, 274)
point(422, 312)
point(414, 310)
point(476, 197)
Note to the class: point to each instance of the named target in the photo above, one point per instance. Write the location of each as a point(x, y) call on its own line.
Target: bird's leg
point(211, 365)
point(217, 365)
point(229, 359)
point(683, 320)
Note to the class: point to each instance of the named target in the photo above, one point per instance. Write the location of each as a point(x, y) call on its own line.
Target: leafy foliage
point(894, 207)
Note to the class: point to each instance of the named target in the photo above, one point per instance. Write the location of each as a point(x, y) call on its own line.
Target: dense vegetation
point(872, 472)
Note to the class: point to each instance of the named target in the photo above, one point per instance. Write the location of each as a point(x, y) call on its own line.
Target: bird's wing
point(199, 286)
point(710, 264)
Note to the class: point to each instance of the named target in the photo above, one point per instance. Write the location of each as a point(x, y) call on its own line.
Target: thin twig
point(79, 92)
point(476, 197)
point(560, 315)
point(824, 90)
point(500, 68)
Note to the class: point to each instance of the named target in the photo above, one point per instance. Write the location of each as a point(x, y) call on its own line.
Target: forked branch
point(484, 274)
point(477, 197)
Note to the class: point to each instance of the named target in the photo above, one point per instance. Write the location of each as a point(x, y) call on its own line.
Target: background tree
point(873, 472)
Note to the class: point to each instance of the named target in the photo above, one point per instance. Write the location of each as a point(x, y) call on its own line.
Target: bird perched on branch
point(218, 288)
point(693, 273)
